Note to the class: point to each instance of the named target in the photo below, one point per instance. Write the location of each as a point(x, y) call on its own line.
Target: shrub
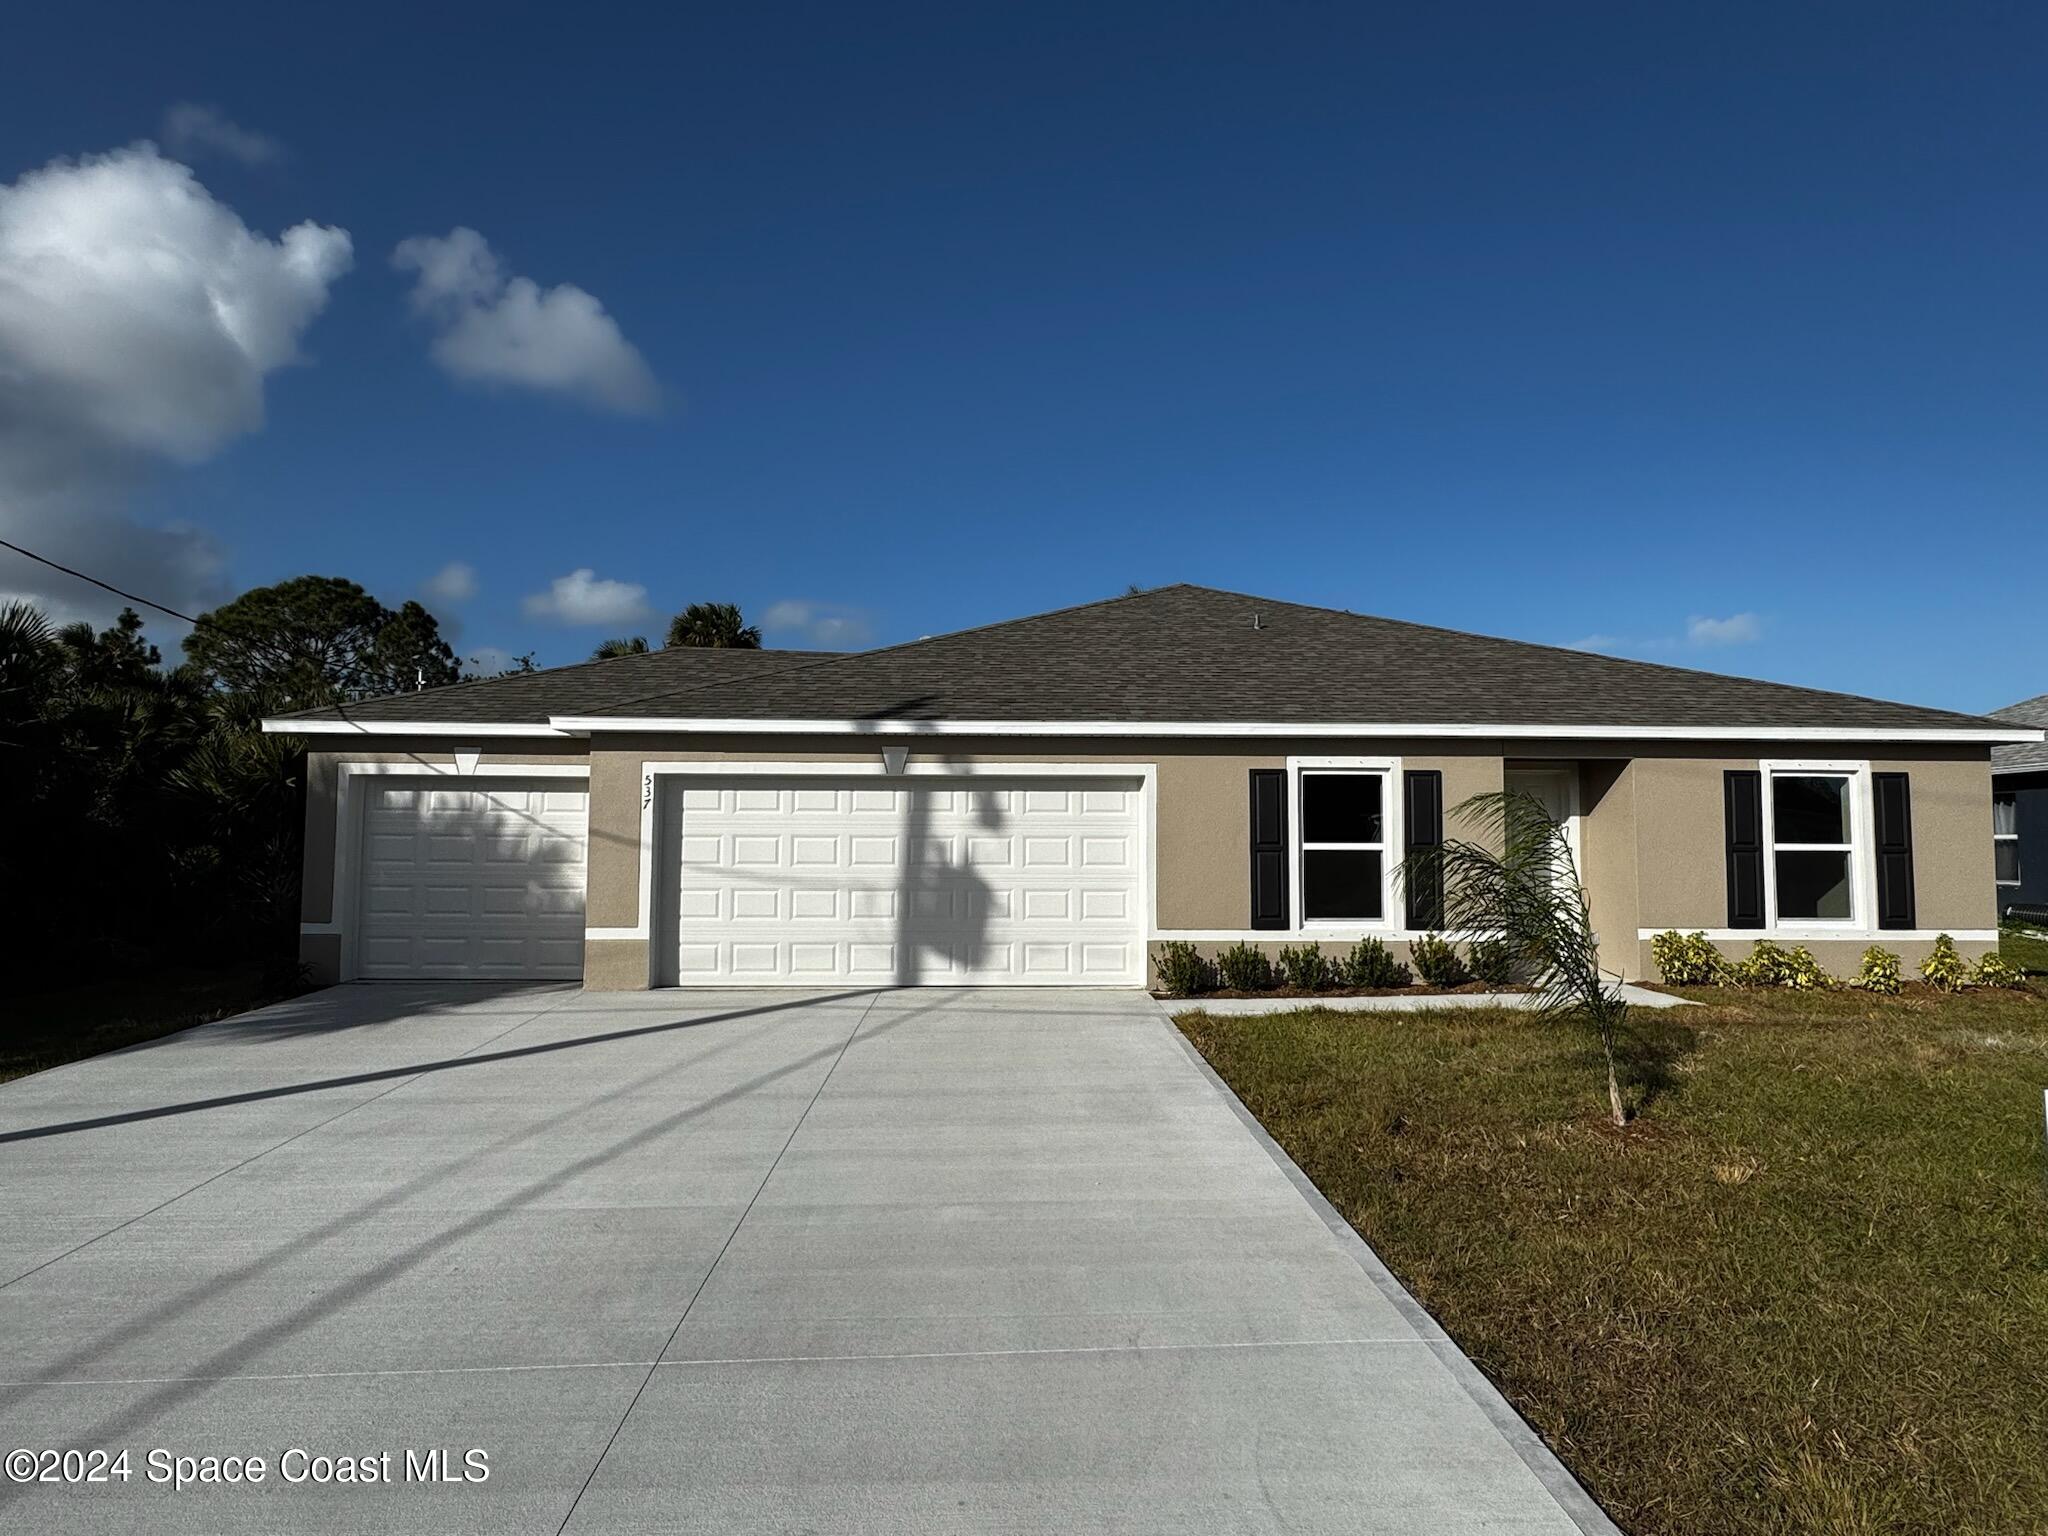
point(1688, 960)
point(1182, 970)
point(1304, 966)
point(1880, 972)
point(1770, 966)
point(1493, 961)
point(1943, 968)
point(1437, 962)
point(1997, 971)
point(1244, 968)
point(1370, 965)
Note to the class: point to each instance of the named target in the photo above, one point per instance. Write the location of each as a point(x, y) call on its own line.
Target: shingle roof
point(1180, 654)
point(2034, 755)
point(1193, 654)
point(529, 698)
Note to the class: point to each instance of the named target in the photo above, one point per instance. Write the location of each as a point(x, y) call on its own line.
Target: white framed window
point(1346, 836)
point(2005, 835)
point(1817, 844)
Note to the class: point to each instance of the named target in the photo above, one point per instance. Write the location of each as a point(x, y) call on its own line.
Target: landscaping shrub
point(1688, 960)
point(1370, 965)
point(1304, 966)
point(1437, 962)
point(1996, 971)
point(1182, 970)
point(1493, 961)
point(1770, 966)
point(1880, 972)
point(1244, 968)
point(1944, 968)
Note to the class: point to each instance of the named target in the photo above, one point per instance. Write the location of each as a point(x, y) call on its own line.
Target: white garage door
point(822, 881)
point(472, 879)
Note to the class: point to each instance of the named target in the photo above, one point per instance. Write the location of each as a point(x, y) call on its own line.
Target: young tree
point(716, 625)
point(606, 650)
point(1518, 880)
point(316, 640)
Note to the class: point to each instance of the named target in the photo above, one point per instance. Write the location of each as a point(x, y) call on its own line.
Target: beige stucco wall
point(1652, 840)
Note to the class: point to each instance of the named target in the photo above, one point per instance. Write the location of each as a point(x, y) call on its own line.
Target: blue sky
point(1710, 336)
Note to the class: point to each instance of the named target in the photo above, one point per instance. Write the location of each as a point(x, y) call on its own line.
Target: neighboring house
point(1046, 800)
point(2019, 811)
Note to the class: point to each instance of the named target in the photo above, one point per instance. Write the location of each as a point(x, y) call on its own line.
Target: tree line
point(149, 816)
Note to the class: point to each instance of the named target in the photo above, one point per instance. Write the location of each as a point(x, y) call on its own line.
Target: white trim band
point(283, 727)
point(1823, 935)
point(1417, 730)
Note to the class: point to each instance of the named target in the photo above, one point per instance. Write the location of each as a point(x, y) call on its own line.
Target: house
point(2019, 811)
point(1044, 801)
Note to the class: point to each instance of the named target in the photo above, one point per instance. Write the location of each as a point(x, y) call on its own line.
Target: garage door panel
point(1028, 883)
point(472, 881)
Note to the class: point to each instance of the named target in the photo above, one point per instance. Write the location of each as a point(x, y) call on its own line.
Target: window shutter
point(1269, 848)
point(1744, 792)
point(1422, 825)
point(1892, 795)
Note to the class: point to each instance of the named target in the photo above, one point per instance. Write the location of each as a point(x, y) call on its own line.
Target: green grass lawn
point(2024, 950)
point(52, 1028)
point(1807, 1291)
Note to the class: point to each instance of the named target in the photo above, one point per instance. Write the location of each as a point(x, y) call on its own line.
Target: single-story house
point(2019, 811)
point(1047, 800)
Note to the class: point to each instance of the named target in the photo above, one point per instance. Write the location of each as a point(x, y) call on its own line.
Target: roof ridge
point(951, 634)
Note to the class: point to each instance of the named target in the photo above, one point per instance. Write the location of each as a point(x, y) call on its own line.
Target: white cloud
point(1597, 643)
point(819, 626)
point(455, 582)
point(583, 598)
point(1736, 629)
point(495, 329)
point(195, 130)
point(139, 319)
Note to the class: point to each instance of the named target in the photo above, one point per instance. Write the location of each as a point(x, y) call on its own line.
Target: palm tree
point(716, 625)
point(637, 646)
point(1519, 882)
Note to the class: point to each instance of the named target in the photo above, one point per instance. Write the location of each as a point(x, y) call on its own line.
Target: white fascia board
point(580, 725)
point(287, 727)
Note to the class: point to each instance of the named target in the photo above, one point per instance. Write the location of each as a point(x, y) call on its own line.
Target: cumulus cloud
point(194, 130)
point(584, 598)
point(455, 582)
point(819, 626)
point(498, 329)
point(1736, 629)
point(139, 320)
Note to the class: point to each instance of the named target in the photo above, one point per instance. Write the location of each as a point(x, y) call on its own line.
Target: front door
point(1558, 790)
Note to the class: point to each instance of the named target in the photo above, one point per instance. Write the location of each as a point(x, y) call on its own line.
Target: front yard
point(48, 1029)
point(1807, 1291)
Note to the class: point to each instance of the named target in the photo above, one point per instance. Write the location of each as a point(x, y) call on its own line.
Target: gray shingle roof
point(1179, 654)
point(2022, 759)
point(1192, 654)
point(529, 698)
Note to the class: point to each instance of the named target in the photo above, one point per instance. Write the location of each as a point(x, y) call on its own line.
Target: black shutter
point(1744, 792)
point(1422, 823)
point(1893, 796)
point(1269, 848)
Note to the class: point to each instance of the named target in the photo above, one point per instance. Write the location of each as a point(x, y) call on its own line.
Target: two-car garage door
point(989, 881)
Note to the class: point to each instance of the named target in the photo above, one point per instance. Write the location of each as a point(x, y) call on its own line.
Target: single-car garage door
point(1025, 881)
point(479, 878)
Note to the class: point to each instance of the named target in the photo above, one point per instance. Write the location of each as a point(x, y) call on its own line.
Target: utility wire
point(104, 586)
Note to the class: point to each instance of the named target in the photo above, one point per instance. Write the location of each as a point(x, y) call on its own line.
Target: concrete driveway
point(735, 1262)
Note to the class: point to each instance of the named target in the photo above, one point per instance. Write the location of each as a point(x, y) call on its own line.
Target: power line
point(104, 586)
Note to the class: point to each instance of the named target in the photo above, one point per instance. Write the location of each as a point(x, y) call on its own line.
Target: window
point(1343, 846)
point(1813, 846)
point(2005, 835)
